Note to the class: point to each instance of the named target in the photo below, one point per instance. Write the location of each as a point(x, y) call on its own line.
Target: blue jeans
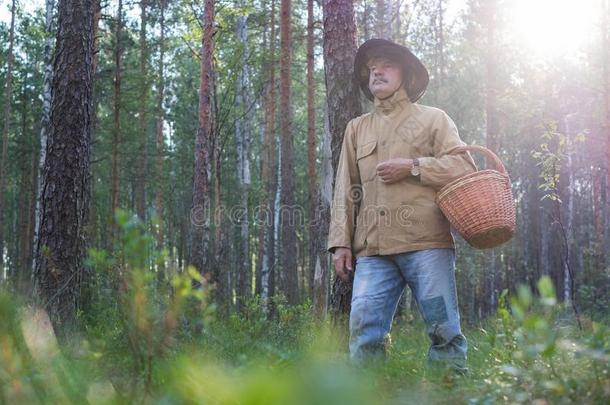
point(379, 281)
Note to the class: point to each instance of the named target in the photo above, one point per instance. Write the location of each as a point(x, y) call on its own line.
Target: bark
point(242, 140)
point(569, 188)
point(159, 144)
point(8, 92)
point(97, 232)
point(274, 277)
point(200, 205)
point(266, 219)
point(66, 194)
point(322, 220)
point(221, 278)
point(45, 120)
point(140, 186)
point(289, 215)
point(116, 130)
point(604, 236)
point(27, 195)
point(311, 145)
point(343, 102)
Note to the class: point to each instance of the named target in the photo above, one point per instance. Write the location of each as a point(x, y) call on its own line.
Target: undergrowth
point(150, 334)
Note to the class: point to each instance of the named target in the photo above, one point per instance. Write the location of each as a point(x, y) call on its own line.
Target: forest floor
point(538, 356)
point(142, 338)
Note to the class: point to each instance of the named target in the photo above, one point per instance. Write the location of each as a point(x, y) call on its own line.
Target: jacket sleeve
point(443, 168)
point(346, 198)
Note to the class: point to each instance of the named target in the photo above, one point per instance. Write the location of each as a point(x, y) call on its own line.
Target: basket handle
point(488, 153)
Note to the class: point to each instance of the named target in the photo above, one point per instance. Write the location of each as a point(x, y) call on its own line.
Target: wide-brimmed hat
point(415, 74)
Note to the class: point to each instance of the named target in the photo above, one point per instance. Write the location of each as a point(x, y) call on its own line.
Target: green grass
point(143, 341)
point(234, 361)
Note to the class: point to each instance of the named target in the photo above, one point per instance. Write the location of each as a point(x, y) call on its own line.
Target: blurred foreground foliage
point(151, 335)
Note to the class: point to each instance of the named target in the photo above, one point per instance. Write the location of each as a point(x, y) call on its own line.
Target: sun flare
point(553, 27)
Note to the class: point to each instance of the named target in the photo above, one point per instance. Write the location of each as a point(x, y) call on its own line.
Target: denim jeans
point(379, 281)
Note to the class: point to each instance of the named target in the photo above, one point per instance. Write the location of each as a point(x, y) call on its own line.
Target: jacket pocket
point(367, 160)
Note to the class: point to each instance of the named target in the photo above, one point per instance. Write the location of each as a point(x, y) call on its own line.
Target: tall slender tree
point(242, 139)
point(200, 206)
point(65, 199)
point(266, 240)
point(142, 156)
point(8, 96)
point(45, 120)
point(311, 145)
point(289, 213)
point(116, 113)
point(159, 121)
point(491, 118)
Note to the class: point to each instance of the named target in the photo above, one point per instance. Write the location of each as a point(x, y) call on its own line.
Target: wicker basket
point(480, 205)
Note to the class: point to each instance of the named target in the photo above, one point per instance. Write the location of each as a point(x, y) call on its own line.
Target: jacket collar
point(394, 104)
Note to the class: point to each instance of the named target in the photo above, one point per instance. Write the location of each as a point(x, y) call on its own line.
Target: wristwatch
point(415, 168)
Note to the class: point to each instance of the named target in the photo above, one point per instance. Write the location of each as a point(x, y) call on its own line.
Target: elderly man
point(393, 161)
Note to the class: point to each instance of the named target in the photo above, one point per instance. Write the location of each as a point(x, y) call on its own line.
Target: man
point(393, 161)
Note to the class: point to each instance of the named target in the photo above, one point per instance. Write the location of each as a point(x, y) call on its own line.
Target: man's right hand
point(343, 263)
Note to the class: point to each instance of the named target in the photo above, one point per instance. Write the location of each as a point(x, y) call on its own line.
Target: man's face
point(385, 77)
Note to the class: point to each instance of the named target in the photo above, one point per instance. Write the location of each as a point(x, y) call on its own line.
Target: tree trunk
point(45, 121)
point(322, 221)
point(200, 206)
point(116, 130)
point(97, 233)
point(569, 188)
point(343, 102)
point(266, 217)
point(8, 96)
point(289, 213)
point(140, 186)
point(274, 277)
point(491, 115)
point(159, 144)
point(242, 140)
point(66, 194)
point(604, 238)
point(311, 146)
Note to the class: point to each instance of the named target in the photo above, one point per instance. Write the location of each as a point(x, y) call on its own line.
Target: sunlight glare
point(552, 27)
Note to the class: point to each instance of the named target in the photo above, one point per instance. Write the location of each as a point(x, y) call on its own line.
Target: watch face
point(415, 170)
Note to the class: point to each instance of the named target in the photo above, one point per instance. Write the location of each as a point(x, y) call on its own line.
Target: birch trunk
point(45, 120)
point(268, 174)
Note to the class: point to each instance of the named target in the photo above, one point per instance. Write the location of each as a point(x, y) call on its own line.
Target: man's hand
point(393, 170)
point(343, 263)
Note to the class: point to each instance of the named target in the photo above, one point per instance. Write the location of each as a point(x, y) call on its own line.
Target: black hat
point(415, 74)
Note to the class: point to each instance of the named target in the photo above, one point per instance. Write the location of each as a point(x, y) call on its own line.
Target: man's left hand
point(393, 170)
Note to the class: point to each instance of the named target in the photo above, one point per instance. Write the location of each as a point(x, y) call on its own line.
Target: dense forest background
point(209, 118)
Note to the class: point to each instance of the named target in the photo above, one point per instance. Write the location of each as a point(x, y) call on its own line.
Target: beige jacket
point(374, 218)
